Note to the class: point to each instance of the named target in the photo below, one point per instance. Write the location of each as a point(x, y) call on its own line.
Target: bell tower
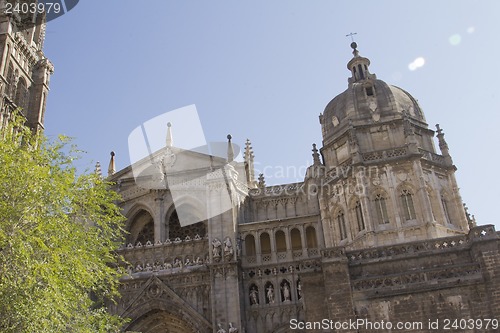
point(385, 181)
point(24, 69)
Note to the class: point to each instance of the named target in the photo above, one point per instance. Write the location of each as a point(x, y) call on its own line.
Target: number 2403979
point(32, 8)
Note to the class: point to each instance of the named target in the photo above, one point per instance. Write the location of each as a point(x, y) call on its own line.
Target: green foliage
point(58, 231)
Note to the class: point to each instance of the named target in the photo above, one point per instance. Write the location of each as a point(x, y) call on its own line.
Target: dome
point(368, 100)
point(362, 100)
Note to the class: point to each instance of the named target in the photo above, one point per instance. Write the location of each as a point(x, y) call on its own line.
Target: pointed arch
point(357, 213)
point(156, 300)
point(174, 229)
point(380, 204)
point(141, 228)
point(445, 203)
point(341, 223)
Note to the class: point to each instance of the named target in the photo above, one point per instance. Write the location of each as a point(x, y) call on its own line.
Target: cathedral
point(375, 238)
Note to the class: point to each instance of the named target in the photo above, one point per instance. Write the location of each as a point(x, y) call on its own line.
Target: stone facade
point(24, 69)
point(377, 231)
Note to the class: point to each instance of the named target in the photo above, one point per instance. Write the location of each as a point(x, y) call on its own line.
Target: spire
point(169, 140)
point(98, 170)
point(112, 168)
point(249, 159)
point(230, 150)
point(315, 155)
point(443, 145)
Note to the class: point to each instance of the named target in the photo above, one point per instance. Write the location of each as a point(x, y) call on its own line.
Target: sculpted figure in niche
point(220, 330)
point(285, 289)
point(254, 296)
point(232, 329)
point(228, 246)
point(216, 243)
point(270, 294)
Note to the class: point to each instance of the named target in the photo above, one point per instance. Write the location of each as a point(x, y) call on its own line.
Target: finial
point(443, 145)
point(98, 170)
point(230, 150)
point(315, 155)
point(169, 141)
point(354, 45)
point(262, 181)
point(112, 168)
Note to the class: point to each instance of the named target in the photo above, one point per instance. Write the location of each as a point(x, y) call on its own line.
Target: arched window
point(359, 215)
point(342, 225)
point(249, 245)
point(265, 243)
point(10, 81)
point(381, 208)
point(407, 204)
point(142, 229)
point(296, 239)
point(312, 242)
point(22, 94)
point(280, 241)
point(174, 229)
point(444, 202)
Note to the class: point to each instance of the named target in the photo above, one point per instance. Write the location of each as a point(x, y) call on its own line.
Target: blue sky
point(265, 70)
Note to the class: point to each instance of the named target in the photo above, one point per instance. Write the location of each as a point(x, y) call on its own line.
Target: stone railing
point(406, 249)
point(432, 157)
point(166, 257)
point(387, 154)
point(281, 257)
point(396, 251)
point(467, 271)
point(277, 190)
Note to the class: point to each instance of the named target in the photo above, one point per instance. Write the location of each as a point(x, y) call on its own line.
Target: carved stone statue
point(270, 294)
point(285, 288)
point(232, 329)
point(228, 246)
point(254, 296)
point(299, 289)
point(220, 330)
point(216, 251)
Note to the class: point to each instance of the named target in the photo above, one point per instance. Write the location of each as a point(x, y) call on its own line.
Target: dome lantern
point(358, 66)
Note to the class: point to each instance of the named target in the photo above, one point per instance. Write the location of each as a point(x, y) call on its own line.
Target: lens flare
point(416, 64)
point(455, 39)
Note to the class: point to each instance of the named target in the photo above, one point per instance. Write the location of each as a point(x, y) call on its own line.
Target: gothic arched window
point(175, 230)
point(381, 208)
point(407, 204)
point(141, 228)
point(358, 209)
point(22, 94)
point(10, 81)
point(444, 202)
point(342, 225)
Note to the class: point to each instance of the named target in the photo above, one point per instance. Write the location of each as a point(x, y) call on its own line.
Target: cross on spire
point(351, 35)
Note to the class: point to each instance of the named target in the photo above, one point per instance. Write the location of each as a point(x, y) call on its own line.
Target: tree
point(58, 231)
